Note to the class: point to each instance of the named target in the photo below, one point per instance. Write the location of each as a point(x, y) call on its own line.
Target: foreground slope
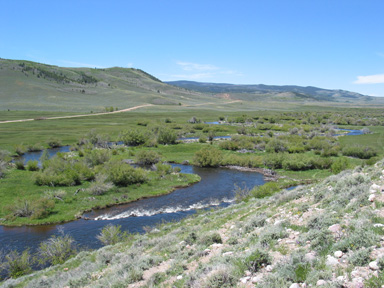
point(327, 234)
point(26, 85)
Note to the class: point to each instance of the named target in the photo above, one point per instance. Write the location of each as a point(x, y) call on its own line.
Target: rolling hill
point(26, 85)
point(288, 92)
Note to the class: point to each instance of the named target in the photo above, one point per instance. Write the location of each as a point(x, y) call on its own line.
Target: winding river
point(216, 189)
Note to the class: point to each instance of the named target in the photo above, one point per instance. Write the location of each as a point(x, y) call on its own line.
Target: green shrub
point(359, 152)
point(122, 174)
point(4, 156)
point(163, 169)
point(208, 157)
point(100, 186)
point(274, 160)
point(221, 278)
point(166, 136)
point(147, 157)
point(54, 143)
point(60, 172)
point(265, 190)
point(97, 157)
point(57, 249)
point(134, 137)
point(17, 264)
point(339, 165)
point(34, 148)
point(210, 239)
point(202, 139)
point(20, 149)
point(32, 165)
point(258, 259)
point(229, 145)
point(20, 165)
point(111, 234)
point(22, 208)
point(42, 208)
point(276, 145)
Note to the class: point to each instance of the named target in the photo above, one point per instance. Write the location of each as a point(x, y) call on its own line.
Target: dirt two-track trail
point(103, 113)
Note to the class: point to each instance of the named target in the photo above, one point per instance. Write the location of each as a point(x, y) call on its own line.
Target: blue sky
point(333, 44)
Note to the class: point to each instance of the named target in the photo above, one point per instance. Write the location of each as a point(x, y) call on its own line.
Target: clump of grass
point(210, 239)
point(32, 165)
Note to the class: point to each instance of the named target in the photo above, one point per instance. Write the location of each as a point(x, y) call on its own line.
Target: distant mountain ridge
point(309, 92)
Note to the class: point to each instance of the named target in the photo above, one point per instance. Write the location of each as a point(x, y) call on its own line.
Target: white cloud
point(196, 76)
point(188, 66)
point(370, 79)
point(77, 64)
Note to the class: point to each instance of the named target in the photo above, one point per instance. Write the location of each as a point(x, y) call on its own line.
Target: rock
point(335, 228)
point(331, 261)
point(257, 279)
point(269, 268)
point(179, 277)
point(278, 222)
point(338, 254)
point(311, 256)
point(372, 198)
point(248, 273)
point(373, 265)
point(207, 251)
point(227, 253)
point(185, 162)
point(217, 245)
point(374, 187)
point(321, 282)
point(340, 278)
point(245, 279)
point(294, 285)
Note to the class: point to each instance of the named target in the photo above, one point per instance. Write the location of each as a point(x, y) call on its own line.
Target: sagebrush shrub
point(111, 234)
point(57, 249)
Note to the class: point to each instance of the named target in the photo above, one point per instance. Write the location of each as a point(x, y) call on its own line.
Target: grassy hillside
point(32, 86)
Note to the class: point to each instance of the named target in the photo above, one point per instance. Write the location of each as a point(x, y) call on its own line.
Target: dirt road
point(104, 113)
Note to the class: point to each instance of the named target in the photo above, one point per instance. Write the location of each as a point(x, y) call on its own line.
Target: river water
point(216, 189)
